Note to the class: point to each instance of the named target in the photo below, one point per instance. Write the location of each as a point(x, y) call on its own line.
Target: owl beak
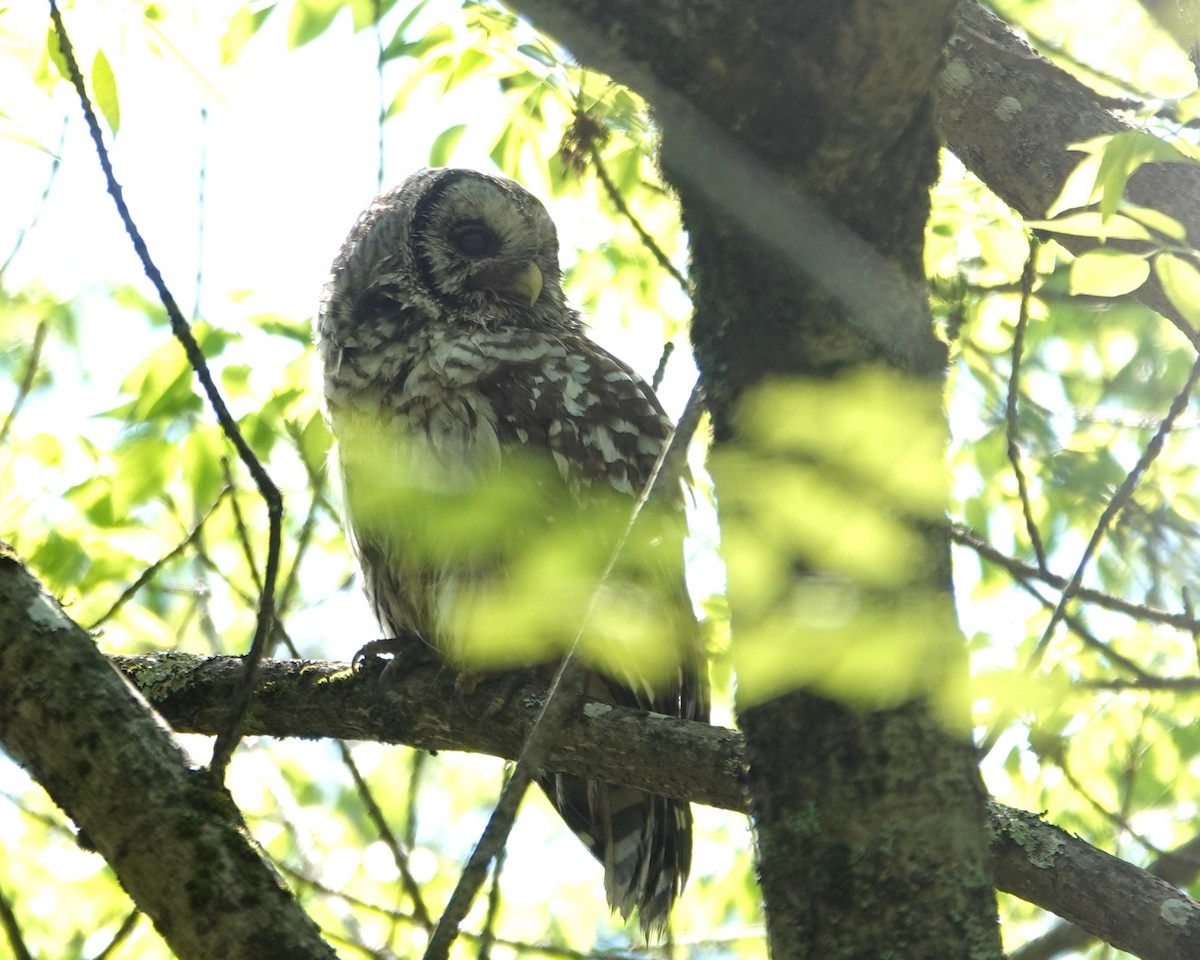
point(526, 282)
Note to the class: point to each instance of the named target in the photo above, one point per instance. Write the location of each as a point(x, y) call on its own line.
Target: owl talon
point(404, 654)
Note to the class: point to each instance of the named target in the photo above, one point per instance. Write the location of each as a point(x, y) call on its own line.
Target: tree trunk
point(869, 822)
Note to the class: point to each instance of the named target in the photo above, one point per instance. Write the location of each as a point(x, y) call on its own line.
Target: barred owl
point(450, 356)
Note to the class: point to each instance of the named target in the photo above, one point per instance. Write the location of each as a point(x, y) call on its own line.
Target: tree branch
point(1011, 117)
point(1177, 867)
point(425, 709)
point(1115, 901)
point(1032, 859)
point(172, 835)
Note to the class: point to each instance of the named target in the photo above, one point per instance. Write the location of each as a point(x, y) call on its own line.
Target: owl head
point(448, 246)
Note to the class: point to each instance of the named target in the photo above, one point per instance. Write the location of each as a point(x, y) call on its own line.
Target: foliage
point(124, 497)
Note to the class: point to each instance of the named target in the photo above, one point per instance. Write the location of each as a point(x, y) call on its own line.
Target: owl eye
point(474, 239)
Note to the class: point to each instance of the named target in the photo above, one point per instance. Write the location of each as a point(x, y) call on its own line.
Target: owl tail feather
point(643, 840)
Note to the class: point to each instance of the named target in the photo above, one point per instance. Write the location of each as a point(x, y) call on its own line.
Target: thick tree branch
point(1011, 117)
point(1031, 859)
point(424, 708)
point(1178, 868)
point(173, 837)
point(1115, 901)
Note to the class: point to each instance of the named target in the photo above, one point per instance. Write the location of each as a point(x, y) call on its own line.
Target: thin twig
point(416, 770)
point(618, 201)
point(42, 200)
point(1115, 505)
point(120, 935)
point(381, 120)
point(1014, 387)
point(152, 571)
point(32, 362)
point(1089, 639)
point(488, 937)
point(317, 482)
point(399, 854)
point(201, 207)
point(228, 739)
point(554, 710)
point(661, 370)
point(12, 929)
point(1145, 684)
point(965, 536)
point(241, 529)
point(517, 946)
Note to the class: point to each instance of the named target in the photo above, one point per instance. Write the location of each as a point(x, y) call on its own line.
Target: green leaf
point(60, 562)
point(367, 13)
point(314, 443)
point(55, 54)
point(469, 62)
point(437, 36)
point(1180, 281)
point(310, 19)
point(1120, 155)
point(429, 68)
point(202, 451)
point(104, 89)
point(538, 53)
point(244, 24)
point(1156, 220)
point(235, 378)
point(1106, 272)
point(144, 463)
point(281, 326)
point(1090, 223)
point(443, 146)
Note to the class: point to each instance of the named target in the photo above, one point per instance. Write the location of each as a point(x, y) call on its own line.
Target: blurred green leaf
point(104, 89)
point(443, 146)
point(1180, 281)
point(54, 52)
point(1120, 156)
point(437, 36)
point(246, 21)
point(309, 19)
point(1105, 272)
point(272, 323)
point(1090, 223)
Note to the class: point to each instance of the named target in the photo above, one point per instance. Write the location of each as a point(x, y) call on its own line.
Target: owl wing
point(605, 429)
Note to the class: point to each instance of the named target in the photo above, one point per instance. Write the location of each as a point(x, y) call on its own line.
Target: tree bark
point(1153, 918)
point(175, 839)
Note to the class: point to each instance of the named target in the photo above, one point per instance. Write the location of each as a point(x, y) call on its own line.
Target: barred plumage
point(454, 370)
